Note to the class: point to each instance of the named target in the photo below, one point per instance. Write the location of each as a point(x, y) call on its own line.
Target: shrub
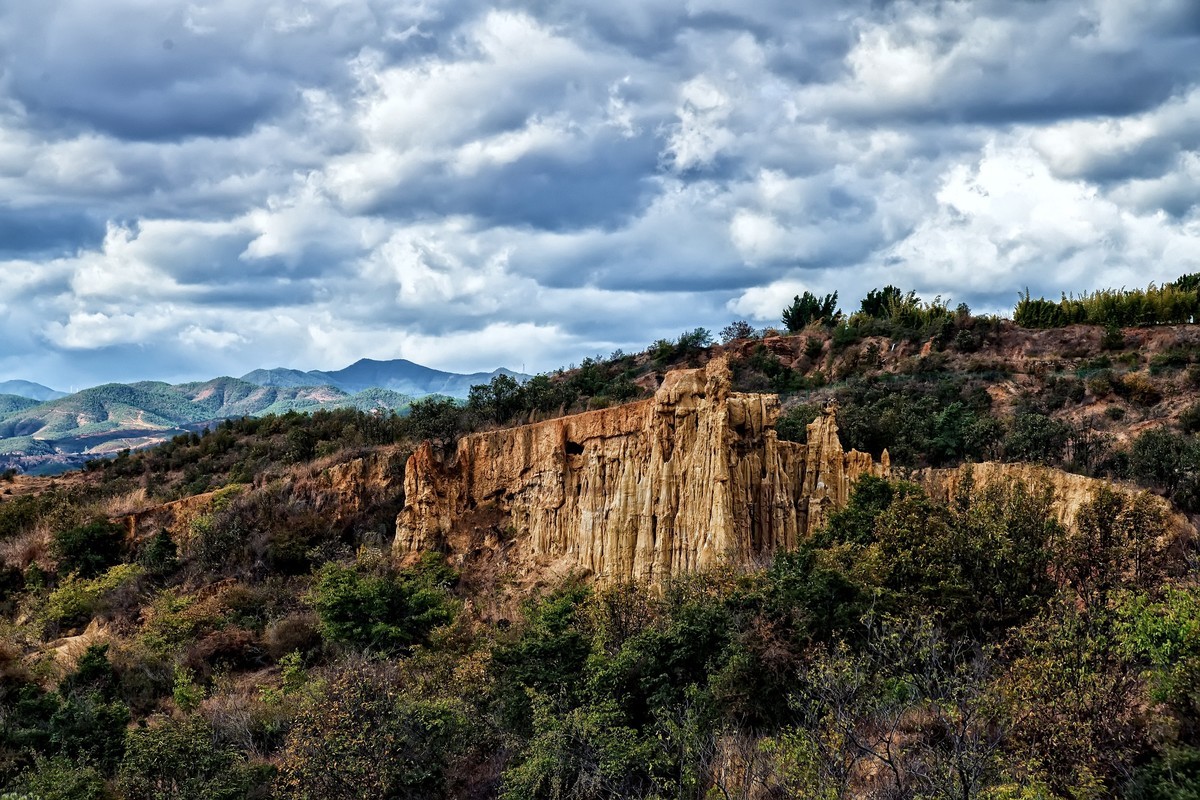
point(184, 691)
point(216, 540)
point(90, 549)
point(1138, 388)
point(386, 611)
point(1102, 383)
point(364, 737)
point(176, 619)
point(1189, 419)
point(89, 728)
point(60, 778)
point(230, 648)
point(181, 760)
point(793, 423)
point(1174, 775)
point(159, 555)
point(76, 599)
point(298, 631)
point(1175, 359)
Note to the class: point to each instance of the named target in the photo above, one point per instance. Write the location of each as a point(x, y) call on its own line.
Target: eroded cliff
point(1071, 492)
point(682, 481)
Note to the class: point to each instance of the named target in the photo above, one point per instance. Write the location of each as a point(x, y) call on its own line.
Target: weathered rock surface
point(340, 492)
point(1071, 492)
point(685, 480)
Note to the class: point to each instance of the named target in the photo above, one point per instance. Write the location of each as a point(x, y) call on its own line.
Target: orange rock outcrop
point(682, 481)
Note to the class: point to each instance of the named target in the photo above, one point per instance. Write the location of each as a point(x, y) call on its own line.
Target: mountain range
point(39, 426)
point(398, 375)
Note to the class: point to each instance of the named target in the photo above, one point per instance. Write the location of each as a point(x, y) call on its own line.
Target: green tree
point(365, 736)
point(436, 418)
point(498, 401)
point(60, 778)
point(383, 611)
point(1035, 437)
point(89, 549)
point(1170, 461)
point(808, 308)
point(182, 760)
point(880, 303)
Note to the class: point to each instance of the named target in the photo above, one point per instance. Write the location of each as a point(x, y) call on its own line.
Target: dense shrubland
point(910, 649)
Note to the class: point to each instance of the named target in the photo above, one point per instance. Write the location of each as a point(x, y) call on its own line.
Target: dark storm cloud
point(600, 185)
point(198, 188)
point(46, 232)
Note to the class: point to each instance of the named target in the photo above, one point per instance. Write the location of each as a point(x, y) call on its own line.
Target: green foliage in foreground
point(383, 610)
point(975, 648)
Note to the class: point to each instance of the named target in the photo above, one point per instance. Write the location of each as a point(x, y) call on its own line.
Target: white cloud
point(262, 182)
point(1009, 220)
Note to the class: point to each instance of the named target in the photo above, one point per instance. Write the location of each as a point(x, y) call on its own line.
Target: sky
point(189, 189)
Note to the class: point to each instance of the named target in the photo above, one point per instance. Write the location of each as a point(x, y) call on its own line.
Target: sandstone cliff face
point(339, 492)
point(1071, 492)
point(676, 483)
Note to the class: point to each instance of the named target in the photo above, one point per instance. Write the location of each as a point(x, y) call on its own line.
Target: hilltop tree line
point(1174, 303)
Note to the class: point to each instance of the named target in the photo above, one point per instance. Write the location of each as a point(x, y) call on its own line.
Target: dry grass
point(29, 547)
point(128, 504)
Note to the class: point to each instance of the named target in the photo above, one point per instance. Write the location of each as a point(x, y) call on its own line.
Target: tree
point(389, 612)
point(738, 329)
point(436, 418)
point(498, 401)
point(696, 339)
point(808, 308)
point(90, 549)
point(1035, 437)
point(879, 303)
point(365, 736)
point(1168, 460)
point(181, 760)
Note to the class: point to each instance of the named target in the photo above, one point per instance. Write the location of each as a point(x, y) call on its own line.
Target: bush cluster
point(1172, 304)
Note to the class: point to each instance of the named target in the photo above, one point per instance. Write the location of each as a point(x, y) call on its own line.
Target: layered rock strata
point(690, 478)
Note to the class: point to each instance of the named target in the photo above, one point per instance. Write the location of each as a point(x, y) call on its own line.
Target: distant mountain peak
point(399, 375)
point(31, 390)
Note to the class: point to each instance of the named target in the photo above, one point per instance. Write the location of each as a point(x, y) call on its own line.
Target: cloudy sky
point(198, 188)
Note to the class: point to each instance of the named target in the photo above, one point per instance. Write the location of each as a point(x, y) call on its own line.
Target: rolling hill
point(398, 375)
point(138, 414)
point(14, 402)
point(39, 424)
point(28, 389)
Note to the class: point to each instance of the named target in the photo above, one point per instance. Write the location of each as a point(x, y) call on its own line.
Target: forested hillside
point(219, 616)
